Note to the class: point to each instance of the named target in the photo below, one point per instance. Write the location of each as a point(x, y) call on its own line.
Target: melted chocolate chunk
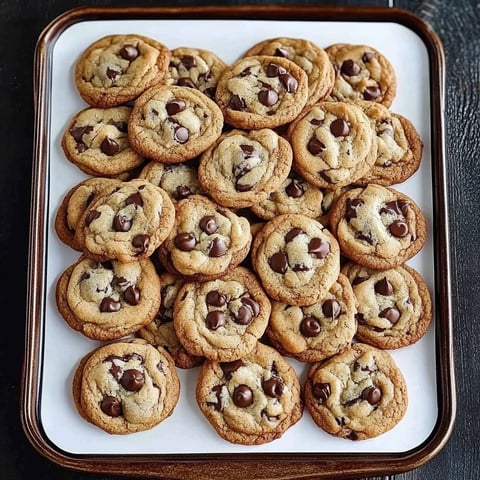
point(310, 326)
point(208, 224)
point(122, 223)
point(331, 308)
point(185, 242)
point(217, 248)
point(318, 248)
point(392, 314)
point(132, 295)
point(175, 106)
point(217, 389)
point(111, 406)
point(294, 189)
point(109, 305)
point(281, 52)
point(242, 396)
point(185, 82)
point(398, 228)
point(339, 127)
point(182, 191)
point(237, 103)
point(278, 262)
point(180, 134)
point(351, 208)
point(132, 380)
point(371, 93)
point(321, 391)
point(129, 52)
point(399, 207)
point(229, 368)
point(289, 82)
point(350, 68)
point(371, 394)
point(216, 298)
point(142, 242)
point(135, 199)
point(367, 56)
point(215, 319)
point(91, 216)
point(383, 287)
point(291, 234)
point(188, 61)
point(273, 387)
point(267, 97)
point(315, 146)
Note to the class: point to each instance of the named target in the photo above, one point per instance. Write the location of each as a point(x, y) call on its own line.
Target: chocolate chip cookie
point(262, 91)
point(195, 68)
point(251, 401)
point(171, 124)
point(243, 167)
point(222, 319)
point(108, 300)
point(161, 331)
point(96, 141)
point(74, 204)
point(127, 222)
point(116, 69)
point(206, 241)
point(126, 387)
point(333, 144)
point(394, 305)
point(296, 258)
point(362, 73)
point(306, 54)
point(399, 146)
point(316, 332)
point(179, 180)
point(357, 394)
point(378, 227)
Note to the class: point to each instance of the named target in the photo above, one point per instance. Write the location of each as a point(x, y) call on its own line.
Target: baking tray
point(184, 446)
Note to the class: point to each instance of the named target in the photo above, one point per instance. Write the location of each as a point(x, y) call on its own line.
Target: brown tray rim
point(265, 466)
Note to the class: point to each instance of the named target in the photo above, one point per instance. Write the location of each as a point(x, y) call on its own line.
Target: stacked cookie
point(235, 216)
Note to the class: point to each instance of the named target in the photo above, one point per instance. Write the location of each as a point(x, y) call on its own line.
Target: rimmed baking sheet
point(57, 348)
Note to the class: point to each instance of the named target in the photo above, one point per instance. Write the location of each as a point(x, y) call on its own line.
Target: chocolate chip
point(252, 304)
point(217, 248)
point(180, 134)
point(310, 326)
point(122, 223)
point(237, 103)
point(229, 368)
point(182, 191)
point(289, 82)
point(188, 61)
point(294, 189)
point(109, 146)
point(398, 228)
point(292, 233)
point(383, 287)
point(339, 127)
point(392, 314)
point(281, 52)
point(350, 68)
point(315, 146)
point(185, 242)
point(321, 391)
point(371, 93)
point(111, 406)
point(371, 394)
point(273, 387)
point(129, 52)
point(78, 132)
point(351, 208)
point(365, 236)
point(109, 305)
point(119, 281)
point(316, 121)
point(278, 262)
point(141, 241)
point(399, 207)
point(132, 380)
point(272, 70)
point(359, 279)
point(216, 298)
point(185, 82)
point(367, 56)
point(215, 319)
point(243, 316)
point(175, 106)
point(242, 396)
point(267, 97)
point(208, 224)
point(318, 248)
point(112, 74)
point(331, 308)
point(134, 199)
point(132, 295)
point(91, 216)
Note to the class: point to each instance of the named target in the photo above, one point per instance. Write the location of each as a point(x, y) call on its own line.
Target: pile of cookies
point(235, 216)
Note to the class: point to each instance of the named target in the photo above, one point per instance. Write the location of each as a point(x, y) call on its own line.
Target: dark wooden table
point(457, 25)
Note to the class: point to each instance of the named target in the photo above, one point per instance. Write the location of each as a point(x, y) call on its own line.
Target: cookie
point(294, 195)
point(127, 222)
point(333, 144)
point(378, 227)
point(357, 394)
point(399, 146)
point(126, 387)
point(243, 167)
point(316, 332)
point(116, 69)
point(106, 301)
point(306, 54)
point(96, 141)
point(206, 241)
point(195, 68)
point(161, 331)
point(179, 180)
point(74, 204)
point(362, 73)
point(296, 258)
point(222, 319)
point(171, 124)
point(262, 91)
point(394, 305)
point(251, 401)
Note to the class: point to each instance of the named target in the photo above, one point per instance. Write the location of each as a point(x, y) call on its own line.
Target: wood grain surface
point(456, 22)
